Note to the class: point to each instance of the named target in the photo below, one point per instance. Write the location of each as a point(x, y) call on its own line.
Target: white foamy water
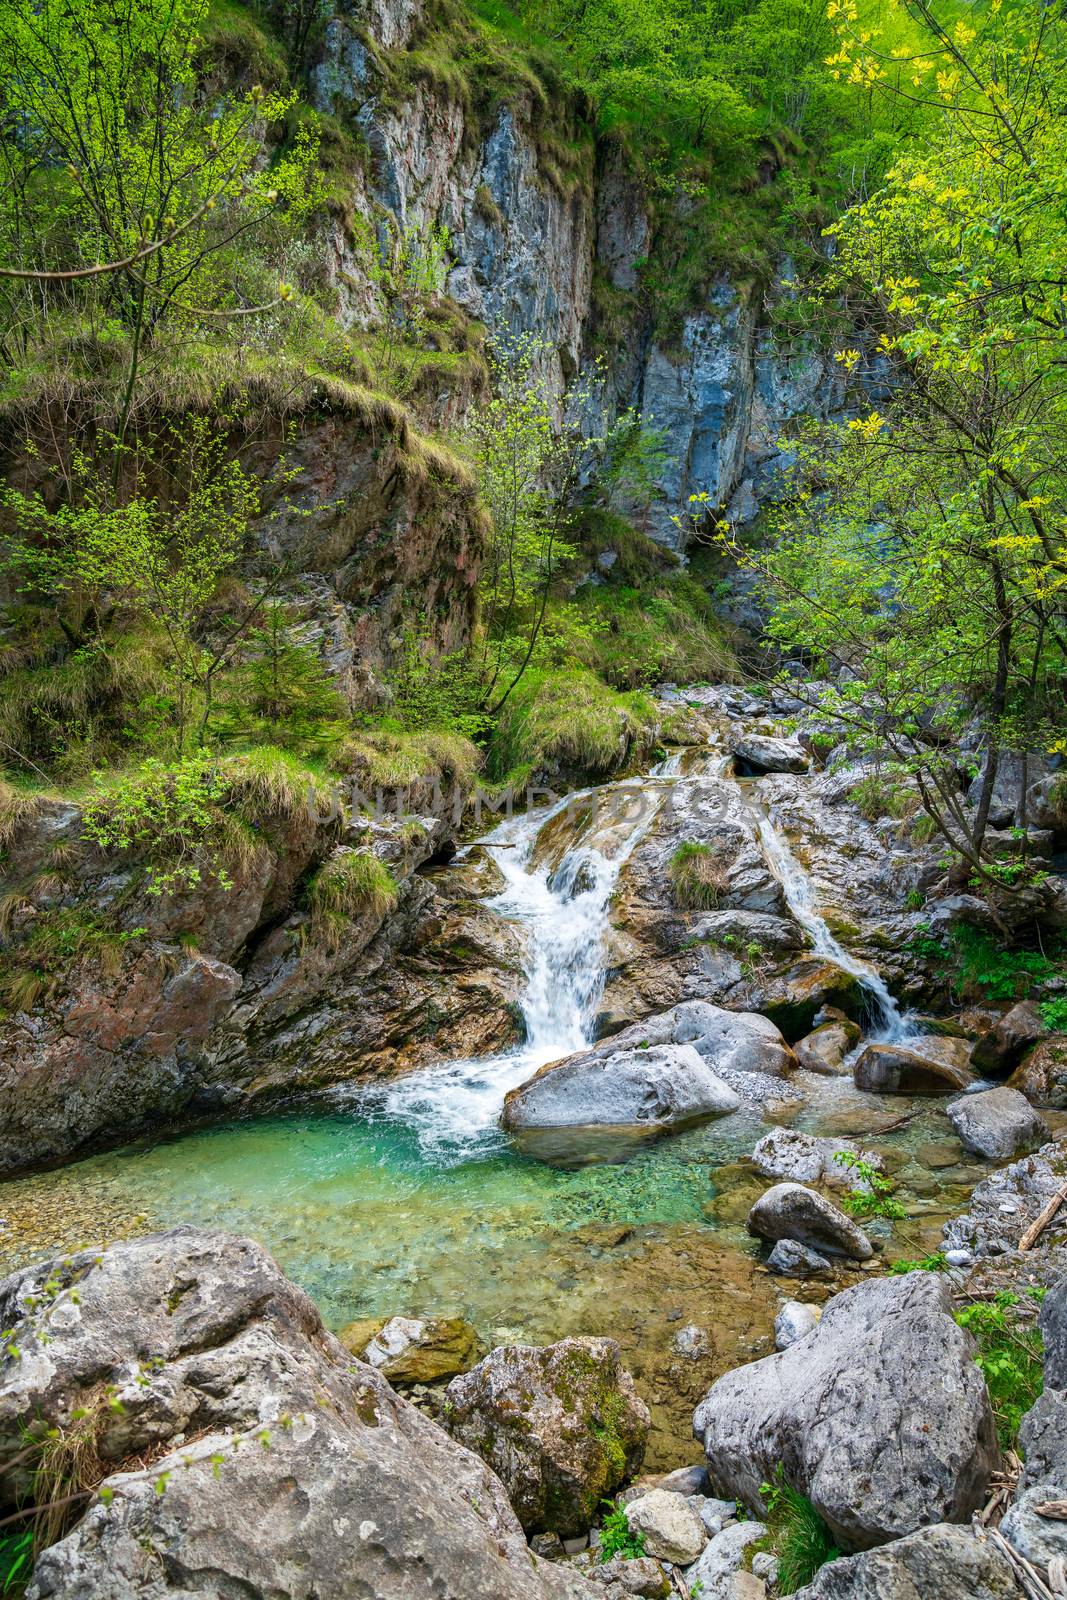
point(887, 1021)
point(562, 907)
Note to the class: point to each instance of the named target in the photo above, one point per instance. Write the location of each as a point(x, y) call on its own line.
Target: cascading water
point(887, 1021)
point(563, 909)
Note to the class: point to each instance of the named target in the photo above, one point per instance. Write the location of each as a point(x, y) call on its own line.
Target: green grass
point(698, 880)
point(881, 795)
point(351, 884)
point(986, 970)
point(797, 1536)
point(16, 1560)
point(390, 756)
point(569, 723)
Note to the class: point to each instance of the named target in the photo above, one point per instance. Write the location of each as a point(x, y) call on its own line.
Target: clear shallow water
point(408, 1200)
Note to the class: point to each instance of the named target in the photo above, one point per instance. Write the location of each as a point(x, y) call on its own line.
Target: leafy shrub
point(698, 880)
point(617, 1538)
point(872, 1196)
point(1010, 1355)
point(879, 795)
point(797, 1535)
point(987, 970)
point(1054, 1013)
point(933, 1263)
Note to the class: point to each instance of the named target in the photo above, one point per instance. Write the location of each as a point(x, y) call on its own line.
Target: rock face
point(997, 1123)
point(794, 998)
point(938, 1068)
point(561, 1426)
point(944, 1561)
point(789, 1211)
point(211, 1355)
point(879, 1416)
point(1042, 1074)
point(1000, 1049)
point(662, 1086)
point(825, 1048)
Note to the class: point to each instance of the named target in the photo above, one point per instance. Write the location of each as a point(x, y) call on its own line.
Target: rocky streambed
point(655, 1163)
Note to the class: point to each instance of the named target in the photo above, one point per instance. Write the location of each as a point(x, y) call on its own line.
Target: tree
point(923, 545)
point(129, 194)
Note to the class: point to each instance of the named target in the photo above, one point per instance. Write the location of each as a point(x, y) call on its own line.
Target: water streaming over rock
point(887, 1022)
point(562, 907)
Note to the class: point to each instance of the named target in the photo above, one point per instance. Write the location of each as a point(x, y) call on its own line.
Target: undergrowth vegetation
point(698, 879)
point(797, 1536)
point(1010, 1355)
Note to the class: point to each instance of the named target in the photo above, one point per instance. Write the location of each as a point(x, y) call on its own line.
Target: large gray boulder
point(808, 1158)
point(997, 1123)
point(939, 1563)
point(1035, 1524)
point(561, 1425)
point(663, 1086)
point(790, 1211)
point(761, 752)
point(729, 1041)
point(244, 1451)
point(879, 1416)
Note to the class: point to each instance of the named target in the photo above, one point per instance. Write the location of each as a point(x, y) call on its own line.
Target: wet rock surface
point(937, 1066)
point(660, 1086)
point(791, 1211)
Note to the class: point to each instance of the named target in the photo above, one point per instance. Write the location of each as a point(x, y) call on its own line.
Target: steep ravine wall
point(528, 247)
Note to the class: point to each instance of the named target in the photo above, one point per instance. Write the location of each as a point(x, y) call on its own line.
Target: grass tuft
point(351, 884)
point(797, 1535)
point(698, 880)
point(569, 722)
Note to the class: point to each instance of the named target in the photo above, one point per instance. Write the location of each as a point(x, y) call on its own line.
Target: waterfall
point(563, 911)
point(888, 1023)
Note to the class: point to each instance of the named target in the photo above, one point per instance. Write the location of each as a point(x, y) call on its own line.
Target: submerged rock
point(1042, 1074)
point(212, 1354)
point(937, 1066)
point(662, 1086)
point(997, 1123)
point(943, 1562)
point(789, 1211)
point(562, 1426)
point(879, 1416)
point(411, 1350)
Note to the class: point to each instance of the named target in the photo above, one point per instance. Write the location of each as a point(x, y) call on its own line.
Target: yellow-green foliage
point(698, 880)
point(882, 794)
point(393, 757)
point(667, 634)
point(569, 721)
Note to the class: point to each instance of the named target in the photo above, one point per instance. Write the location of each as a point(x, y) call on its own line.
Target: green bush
point(1010, 1355)
point(986, 970)
point(617, 1538)
point(698, 880)
point(1054, 1013)
point(873, 1194)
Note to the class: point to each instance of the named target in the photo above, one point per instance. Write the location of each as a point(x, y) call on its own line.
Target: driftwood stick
point(1041, 1222)
point(1028, 1577)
